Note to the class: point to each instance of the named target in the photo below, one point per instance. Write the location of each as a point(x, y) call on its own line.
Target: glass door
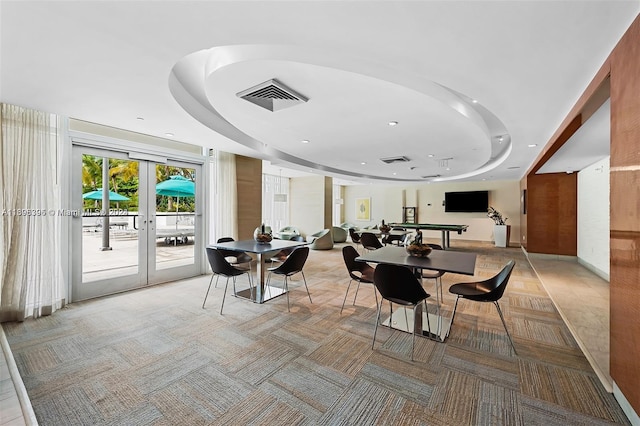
point(142, 231)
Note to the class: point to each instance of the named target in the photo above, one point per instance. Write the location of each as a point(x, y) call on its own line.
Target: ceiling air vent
point(430, 176)
point(391, 160)
point(272, 95)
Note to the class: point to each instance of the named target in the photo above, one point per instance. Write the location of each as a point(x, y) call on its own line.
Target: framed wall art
point(363, 208)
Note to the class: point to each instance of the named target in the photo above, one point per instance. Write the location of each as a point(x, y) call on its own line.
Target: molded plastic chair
point(339, 234)
point(398, 284)
point(291, 266)
point(220, 266)
point(282, 255)
point(435, 275)
point(321, 240)
point(369, 241)
point(490, 290)
point(358, 271)
point(287, 233)
point(355, 238)
point(235, 258)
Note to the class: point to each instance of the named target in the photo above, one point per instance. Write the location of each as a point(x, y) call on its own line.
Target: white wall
point(387, 203)
point(593, 217)
point(308, 204)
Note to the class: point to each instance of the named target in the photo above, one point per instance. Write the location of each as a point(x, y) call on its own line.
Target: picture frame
point(363, 209)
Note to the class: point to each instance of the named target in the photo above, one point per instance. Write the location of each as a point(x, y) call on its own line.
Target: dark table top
point(438, 260)
point(252, 246)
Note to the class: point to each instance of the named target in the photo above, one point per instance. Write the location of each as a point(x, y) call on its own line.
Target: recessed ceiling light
point(475, 101)
point(305, 141)
point(448, 168)
point(394, 173)
point(168, 134)
point(363, 163)
point(430, 155)
point(532, 145)
point(500, 138)
point(393, 123)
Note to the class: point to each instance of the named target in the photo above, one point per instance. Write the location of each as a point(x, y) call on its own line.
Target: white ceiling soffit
point(589, 144)
point(207, 85)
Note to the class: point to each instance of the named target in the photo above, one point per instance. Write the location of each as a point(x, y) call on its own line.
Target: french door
point(147, 231)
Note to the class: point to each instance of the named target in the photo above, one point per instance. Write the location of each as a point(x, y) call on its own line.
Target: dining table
point(263, 251)
point(457, 262)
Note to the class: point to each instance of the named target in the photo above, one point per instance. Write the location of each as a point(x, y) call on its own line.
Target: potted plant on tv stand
point(501, 231)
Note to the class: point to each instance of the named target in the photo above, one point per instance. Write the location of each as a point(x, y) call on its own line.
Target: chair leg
point(505, 326)
point(356, 296)
point(250, 285)
point(224, 295)
point(413, 338)
point(453, 316)
point(305, 285)
point(345, 296)
point(375, 294)
point(209, 288)
point(286, 290)
point(375, 330)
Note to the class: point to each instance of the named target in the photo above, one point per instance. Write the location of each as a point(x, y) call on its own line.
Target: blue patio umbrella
point(176, 186)
point(97, 195)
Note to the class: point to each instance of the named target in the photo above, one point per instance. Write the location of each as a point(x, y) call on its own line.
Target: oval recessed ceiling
point(268, 98)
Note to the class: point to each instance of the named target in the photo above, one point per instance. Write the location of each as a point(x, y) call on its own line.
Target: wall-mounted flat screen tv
point(466, 201)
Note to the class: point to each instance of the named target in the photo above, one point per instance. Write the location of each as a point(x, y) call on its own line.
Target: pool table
point(444, 229)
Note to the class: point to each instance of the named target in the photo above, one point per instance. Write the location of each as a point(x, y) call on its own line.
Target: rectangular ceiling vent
point(272, 95)
point(430, 176)
point(391, 160)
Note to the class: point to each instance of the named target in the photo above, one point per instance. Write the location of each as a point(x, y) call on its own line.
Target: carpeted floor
point(154, 356)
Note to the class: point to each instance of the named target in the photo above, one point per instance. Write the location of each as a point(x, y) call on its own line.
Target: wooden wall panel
point(249, 187)
point(625, 215)
point(523, 217)
point(551, 217)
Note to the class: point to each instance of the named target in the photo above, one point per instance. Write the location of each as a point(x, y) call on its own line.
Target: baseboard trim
point(25, 403)
point(626, 407)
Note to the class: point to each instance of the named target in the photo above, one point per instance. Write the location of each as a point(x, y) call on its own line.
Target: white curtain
point(225, 207)
point(275, 201)
point(30, 271)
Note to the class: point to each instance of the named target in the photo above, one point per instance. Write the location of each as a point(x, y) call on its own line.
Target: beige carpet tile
point(491, 369)
point(260, 408)
point(343, 352)
point(575, 390)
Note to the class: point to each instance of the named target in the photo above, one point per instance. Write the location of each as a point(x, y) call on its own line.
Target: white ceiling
point(180, 64)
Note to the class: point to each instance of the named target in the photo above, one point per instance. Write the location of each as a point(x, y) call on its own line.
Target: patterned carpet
point(154, 356)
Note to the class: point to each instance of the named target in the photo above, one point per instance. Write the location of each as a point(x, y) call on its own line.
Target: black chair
point(291, 266)
point(354, 236)
point(235, 258)
point(282, 255)
point(398, 284)
point(394, 239)
point(369, 241)
point(220, 266)
point(435, 275)
point(490, 290)
point(358, 271)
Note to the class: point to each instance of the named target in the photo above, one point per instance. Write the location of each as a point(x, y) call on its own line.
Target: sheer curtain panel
point(225, 209)
point(30, 271)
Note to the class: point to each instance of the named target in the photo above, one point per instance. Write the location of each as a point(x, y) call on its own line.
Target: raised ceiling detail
point(272, 95)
